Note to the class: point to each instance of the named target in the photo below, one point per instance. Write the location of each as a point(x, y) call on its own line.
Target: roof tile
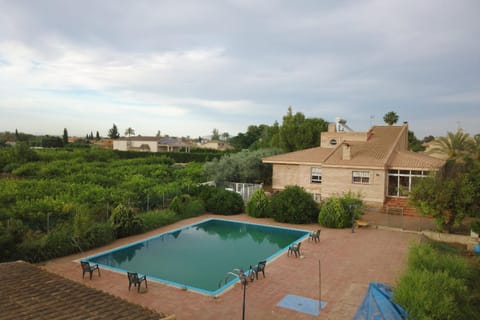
point(29, 292)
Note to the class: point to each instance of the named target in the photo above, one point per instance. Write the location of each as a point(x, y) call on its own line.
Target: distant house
point(150, 144)
point(215, 145)
point(376, 164)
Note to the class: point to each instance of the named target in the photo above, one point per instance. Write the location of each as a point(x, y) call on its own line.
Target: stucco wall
point(300, 175)
point(120, 145)
point(152, 144)
point(125, 145)
point(339, 180)
point(335, 181)
point(325, 138)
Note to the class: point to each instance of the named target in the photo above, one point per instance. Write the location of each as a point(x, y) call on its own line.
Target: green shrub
point(99, 234)
point(431, 295)
point(425, 257)
point(179, 203)
point(186, 206)
point(259, 205)
point(125, 222)
point(155, 219)
point(337, 212)
point(203, 192)
point(31, 248)
point(294, 205)
point(435, 286)
point(194, 208)
point(58, 242)
point(219, 201)
point(225, 202)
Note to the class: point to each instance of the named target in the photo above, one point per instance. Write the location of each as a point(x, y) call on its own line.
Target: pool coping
point(220, 291)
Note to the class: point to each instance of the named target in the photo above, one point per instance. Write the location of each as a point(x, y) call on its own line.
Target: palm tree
point(129, 132)
point(476, 146)
point(454, 146)
point(225, 136)
point(390, 118)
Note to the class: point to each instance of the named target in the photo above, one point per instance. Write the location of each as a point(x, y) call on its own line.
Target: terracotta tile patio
point(348, 263)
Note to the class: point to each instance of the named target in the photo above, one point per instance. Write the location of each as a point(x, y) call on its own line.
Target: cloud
point(188, 66)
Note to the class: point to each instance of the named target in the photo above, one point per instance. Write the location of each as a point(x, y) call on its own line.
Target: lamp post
point(244, 283)
point(243, 279)
point(352, 212)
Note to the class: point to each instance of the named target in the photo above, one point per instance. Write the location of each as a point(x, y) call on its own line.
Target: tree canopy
point(451, 197)
point(295, 133)
point(390, 118)
point(129, 132)
point(113, 132)
point(455, 146)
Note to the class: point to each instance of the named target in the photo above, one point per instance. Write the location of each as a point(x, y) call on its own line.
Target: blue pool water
point(198, 257)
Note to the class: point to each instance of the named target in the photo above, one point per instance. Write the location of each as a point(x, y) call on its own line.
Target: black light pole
point(244, 294)
point(243, 279)
point(352, 212)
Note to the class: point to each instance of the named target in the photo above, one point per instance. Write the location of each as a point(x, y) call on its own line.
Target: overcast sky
point(186, 67)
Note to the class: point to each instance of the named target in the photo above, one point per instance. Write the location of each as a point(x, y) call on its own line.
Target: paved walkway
point(348, 263)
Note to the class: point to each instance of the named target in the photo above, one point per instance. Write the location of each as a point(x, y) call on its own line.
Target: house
point(376, 164)
point(214, 145)
point(150, 144)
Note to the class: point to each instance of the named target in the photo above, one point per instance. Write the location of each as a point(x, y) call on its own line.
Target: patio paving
point(347, 262)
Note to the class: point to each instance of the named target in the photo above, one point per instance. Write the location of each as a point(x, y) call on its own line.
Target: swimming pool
point(197, 257)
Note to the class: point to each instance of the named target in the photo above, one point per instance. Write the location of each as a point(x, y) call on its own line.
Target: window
point(400, 182)
point(361, 177)
point(316, 175)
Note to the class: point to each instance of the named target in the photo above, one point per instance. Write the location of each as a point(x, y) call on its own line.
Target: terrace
point(349, 262)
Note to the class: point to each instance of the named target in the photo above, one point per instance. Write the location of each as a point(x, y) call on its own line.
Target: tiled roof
point(379, 150)
point(308, 156)
point(414, 160)
point(374, 152)
point(28, 292)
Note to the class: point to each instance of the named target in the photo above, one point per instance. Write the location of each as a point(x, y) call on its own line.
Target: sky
point(187, 67)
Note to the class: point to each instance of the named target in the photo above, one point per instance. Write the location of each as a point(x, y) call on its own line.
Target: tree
point(476, 147)
point(413, 143)
point(129, 132)
point(258, 205)
point(113, 132)
point(244, 166)
point(97, 136)
point(449, 199)
point(215, 134)
point(298, 132)
point(454, 146)
point(65, 136)
point(225, 136)
point(125, 222)
point(390, 118)
point(288, 131)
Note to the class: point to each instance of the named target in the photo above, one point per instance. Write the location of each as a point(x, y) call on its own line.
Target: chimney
point(332, 127)
point(346, 152)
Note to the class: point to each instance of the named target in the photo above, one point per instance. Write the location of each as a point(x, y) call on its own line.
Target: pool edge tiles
point(207, 289)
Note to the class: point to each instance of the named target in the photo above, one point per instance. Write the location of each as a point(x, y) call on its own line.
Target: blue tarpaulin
point(378, 305)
